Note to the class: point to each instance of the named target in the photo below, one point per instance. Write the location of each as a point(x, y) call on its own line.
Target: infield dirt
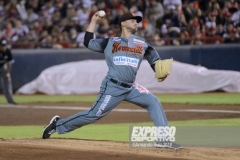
point(62, 149)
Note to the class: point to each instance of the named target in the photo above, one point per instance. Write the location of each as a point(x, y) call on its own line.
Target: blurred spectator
point(176, 4)
point(63, 41)
point(182, 23)
point(55, 31)
point(219, 30)
point(213, 38)
point(64, 26)
point(48, 25)
point(184, 38)
point(197, 39)
point(75, 24)
point(43, 35)
point(21, 30)
point(8, 32)
point(83, 14)
point(93, 10)
point(194, 26)
point(157, 41)
point(2, 12)
point(103, 28)
point(73, 37)
point(140, 4)
point(49, 8)
point(80, 37)
point(228, 31)
point(61, 6)
point(154, 11)
point(32, 16)
point(37, 27)
point(1, 37)
point(43, 15)
point(165, 22)
point(236, 16)
point(228, 19)
point(171, 23)
point(56, 17)
point(134, 9)
point(32, 36)
point(232, 36)
point(221, 17)
point(115, 20)
point(149, 28)
point(47, 42)
point(11, 8)
point(70, 12)
point(211, 21)
point(33, 4)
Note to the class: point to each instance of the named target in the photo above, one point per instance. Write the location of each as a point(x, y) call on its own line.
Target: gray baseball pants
point(6, 85)
point(109, 97)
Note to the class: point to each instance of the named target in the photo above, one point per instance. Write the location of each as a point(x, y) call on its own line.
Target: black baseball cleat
point(175, 146)
point(51, 128)
point(169, 145)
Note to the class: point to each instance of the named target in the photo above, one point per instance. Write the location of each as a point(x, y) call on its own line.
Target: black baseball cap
point(129, 15)
point(3, 42)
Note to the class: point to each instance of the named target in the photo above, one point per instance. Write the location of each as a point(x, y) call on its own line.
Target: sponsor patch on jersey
point(116, 39)
point(138, 41)
point(117, 47)
point(122, 60)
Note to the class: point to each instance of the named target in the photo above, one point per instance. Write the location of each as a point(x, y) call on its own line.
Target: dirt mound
point(62, 149)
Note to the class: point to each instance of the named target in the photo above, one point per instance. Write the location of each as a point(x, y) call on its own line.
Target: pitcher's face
point(131, 25)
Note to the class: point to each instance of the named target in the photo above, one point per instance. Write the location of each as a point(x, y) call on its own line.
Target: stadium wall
point(29, 63)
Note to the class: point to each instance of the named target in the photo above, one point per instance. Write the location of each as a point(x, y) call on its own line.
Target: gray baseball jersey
point(123, 57)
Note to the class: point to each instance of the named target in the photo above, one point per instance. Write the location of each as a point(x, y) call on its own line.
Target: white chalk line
point(117, 109)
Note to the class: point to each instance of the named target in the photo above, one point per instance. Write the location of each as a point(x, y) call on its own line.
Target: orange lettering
point(116, 47)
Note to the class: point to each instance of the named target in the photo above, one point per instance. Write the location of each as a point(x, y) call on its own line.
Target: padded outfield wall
point(29, 63)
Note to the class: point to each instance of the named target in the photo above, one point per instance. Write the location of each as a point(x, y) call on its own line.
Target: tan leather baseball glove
point(163, 68)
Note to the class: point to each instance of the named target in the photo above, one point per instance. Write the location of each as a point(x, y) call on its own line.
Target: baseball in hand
point(101, 13)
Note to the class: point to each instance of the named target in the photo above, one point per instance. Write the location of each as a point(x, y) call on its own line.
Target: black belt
point(120, 83)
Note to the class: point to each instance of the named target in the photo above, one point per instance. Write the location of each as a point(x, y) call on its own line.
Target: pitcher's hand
point(96, 18)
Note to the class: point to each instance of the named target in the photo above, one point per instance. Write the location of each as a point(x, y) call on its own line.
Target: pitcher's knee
point(154, 101)
point(95, 116)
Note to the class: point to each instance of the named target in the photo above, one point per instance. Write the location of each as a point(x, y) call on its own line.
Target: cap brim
point(138, 18)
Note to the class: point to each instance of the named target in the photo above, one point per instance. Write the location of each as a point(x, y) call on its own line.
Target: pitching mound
point(69, 149)
point(62, 149)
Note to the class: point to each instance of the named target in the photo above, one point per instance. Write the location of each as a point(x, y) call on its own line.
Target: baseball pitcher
point(123, 56)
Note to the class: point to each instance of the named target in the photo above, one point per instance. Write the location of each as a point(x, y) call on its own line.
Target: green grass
point(205, 98)
point(51, 98)
point(115, 132)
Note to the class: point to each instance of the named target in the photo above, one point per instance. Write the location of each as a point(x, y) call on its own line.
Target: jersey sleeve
point(97, 45)
point(151, 55)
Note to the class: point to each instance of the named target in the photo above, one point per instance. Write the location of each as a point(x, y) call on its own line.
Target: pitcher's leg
point(103, 105)
point(143, 98)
